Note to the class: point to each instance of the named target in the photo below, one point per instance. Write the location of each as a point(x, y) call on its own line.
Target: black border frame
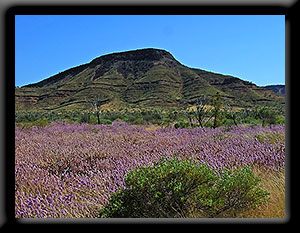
point(291, 48)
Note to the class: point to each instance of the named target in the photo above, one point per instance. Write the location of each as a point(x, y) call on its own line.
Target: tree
point(230, 113)
point(216, 102)
point(267, 116)
point(96, 104)
point(201, 110)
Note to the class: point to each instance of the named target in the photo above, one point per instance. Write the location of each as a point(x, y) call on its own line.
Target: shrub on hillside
point(172, 188)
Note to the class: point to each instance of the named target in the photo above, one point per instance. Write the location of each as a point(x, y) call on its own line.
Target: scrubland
point(68, 170)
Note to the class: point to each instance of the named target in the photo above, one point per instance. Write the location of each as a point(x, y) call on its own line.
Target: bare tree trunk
point(96, 105)
point(98, 117)
point(200, 110)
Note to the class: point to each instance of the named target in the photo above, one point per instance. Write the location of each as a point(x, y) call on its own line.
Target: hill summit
point(144, 77)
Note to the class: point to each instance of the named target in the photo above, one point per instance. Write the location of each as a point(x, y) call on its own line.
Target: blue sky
point(249, 47)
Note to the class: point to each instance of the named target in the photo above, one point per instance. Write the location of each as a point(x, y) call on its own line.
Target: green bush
point(280, 120)
point(159, 191)
point(172, 188)
point(267, 116)
point(37, 123)
point(181, 124)
point(85, 118)
point(106, 121)
point(234, 191)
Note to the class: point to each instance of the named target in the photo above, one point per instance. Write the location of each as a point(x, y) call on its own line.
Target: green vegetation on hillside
point(146, 78)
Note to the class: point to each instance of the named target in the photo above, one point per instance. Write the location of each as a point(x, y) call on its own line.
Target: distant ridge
point(144, 77)
point(279, 89)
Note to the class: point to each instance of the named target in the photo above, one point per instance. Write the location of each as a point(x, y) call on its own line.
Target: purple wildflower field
point(70, 170)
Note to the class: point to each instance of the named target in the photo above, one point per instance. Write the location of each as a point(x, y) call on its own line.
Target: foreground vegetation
point(73, 170)
point(176, 188)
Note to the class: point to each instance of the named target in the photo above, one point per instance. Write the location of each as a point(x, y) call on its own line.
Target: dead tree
point(95, 105)
point(201, 110)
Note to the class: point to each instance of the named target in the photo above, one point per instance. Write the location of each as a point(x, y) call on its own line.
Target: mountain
point(144, 77)
point(279, 89)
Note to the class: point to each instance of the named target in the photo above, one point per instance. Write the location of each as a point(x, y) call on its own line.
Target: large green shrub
point(172, 188)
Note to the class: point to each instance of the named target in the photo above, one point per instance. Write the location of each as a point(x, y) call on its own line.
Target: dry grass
point(209, 107)
point(152, 127)
point(273, 182)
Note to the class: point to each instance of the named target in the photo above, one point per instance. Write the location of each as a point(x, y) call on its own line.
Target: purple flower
point(97, 159)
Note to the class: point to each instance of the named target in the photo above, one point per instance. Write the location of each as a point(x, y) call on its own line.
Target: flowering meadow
point(70, 170)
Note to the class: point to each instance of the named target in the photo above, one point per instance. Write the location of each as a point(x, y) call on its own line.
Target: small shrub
point(172, 188)
point(37, 123)
point(181, 124)
point(85, 118)
point(280, 120)
point(106, 121)
point(42, 122)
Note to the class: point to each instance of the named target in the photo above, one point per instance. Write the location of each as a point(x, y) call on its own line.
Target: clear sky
point(249, 47)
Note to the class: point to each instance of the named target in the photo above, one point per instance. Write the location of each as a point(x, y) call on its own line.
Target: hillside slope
point(145, 77)
point(279, 89)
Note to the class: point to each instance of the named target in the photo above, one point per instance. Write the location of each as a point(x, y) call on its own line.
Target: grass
point(272, 137)
point(274, 182)
point(152, 127)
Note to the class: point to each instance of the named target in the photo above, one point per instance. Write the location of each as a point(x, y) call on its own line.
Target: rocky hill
point(145, 77)
point(279, 89)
